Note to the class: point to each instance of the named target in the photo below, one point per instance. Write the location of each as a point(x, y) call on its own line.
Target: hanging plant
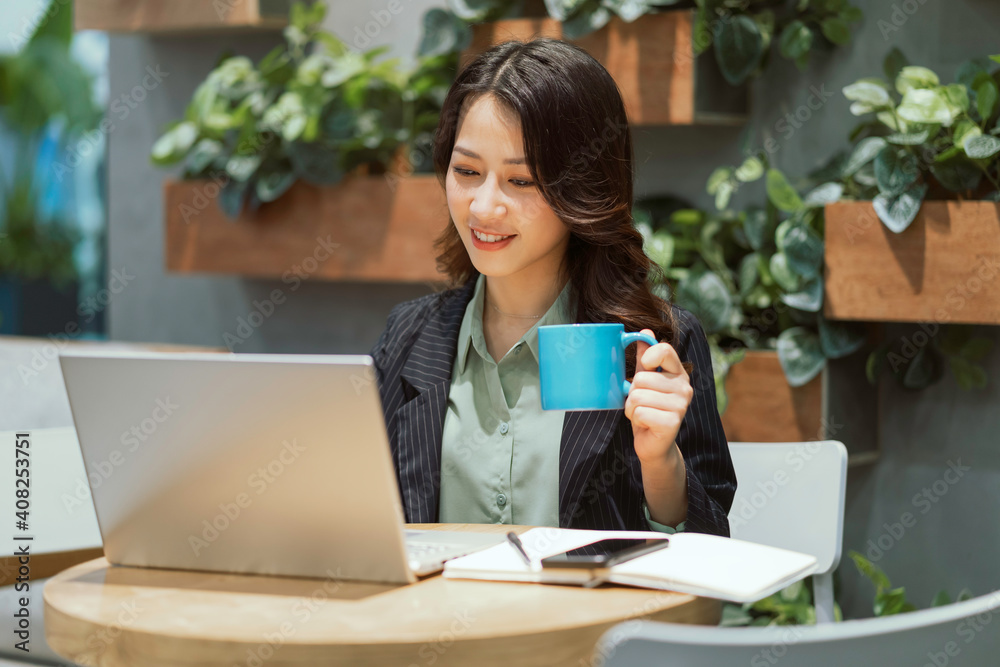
point(312, 109)
point(742, 32)
point(926, 139)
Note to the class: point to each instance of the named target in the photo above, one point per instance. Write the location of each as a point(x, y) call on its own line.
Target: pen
point(515, 540)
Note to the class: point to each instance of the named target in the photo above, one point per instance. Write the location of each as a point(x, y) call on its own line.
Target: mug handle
point(629, 337)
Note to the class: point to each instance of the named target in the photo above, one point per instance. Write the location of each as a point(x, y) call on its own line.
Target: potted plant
point(916, 362)
point(741, 33)
point(315, 138)
point(754, 280)
point(45, 99)
point(919, 215)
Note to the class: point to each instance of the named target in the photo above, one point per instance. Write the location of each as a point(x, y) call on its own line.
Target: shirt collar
point(470, 335)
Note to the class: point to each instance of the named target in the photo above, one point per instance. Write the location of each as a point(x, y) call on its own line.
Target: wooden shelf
point(165, 16)
point(652, 60)
point(381, 232)
point(945, 267)
point(764, 408)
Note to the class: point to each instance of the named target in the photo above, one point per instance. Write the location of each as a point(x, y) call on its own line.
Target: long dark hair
point(578, 148)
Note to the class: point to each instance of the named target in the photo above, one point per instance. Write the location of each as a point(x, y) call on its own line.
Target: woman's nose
point(488, 201)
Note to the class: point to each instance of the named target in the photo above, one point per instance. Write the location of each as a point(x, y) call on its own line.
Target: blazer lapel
point(420, 421)
point(585, 436)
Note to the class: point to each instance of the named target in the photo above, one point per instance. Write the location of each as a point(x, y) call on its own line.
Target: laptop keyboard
point(424, 549)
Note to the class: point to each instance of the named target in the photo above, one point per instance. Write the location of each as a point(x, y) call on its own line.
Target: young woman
point(534, 152)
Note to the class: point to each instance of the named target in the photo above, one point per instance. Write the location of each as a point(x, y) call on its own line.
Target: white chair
point(963, 634)
point(791, 495)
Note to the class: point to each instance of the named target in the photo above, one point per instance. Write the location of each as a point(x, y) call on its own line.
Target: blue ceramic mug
point(582, 366)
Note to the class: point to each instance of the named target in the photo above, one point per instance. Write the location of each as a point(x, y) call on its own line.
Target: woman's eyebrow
point(467, 152)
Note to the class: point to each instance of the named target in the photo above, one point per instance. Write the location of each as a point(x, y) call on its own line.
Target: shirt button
point(517, 350)
point(501, 500)
point(504, 427)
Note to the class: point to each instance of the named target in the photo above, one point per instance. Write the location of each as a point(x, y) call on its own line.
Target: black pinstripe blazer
point(600, 482)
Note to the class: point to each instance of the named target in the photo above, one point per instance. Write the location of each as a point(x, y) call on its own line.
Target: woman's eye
point(516, 181)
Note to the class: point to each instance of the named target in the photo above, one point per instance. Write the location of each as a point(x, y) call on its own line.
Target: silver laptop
point(253, 463)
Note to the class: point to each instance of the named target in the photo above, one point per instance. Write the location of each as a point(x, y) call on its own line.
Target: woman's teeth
point(489, 238)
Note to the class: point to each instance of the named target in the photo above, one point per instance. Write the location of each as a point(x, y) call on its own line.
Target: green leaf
point(796, 40)
point(839, 339)
point(781, 193)
point(782, 272)
point(660, 249)
point(968, 375)
point(836, 30)
point(875, 363)
point(724, 194)
point(749, 273)
point(202, 156)
point(914, 139)
point(585, 21)
point(242, 167)
point(987, 95)
point(926, 106)
point(923, 370)
point(824, 194)
point(173, 145)
point(56, 23)
point(707, 297)
point(976, 349)
point(273, 184)
point(897, 212)
point(751, 170)
point(982, 147)
point(895, 170)
point(717, 178)
point(852, 14)
point(863, 153)
point(800, 355)
point(803, 248)
point(687, 216)
point(231, 198)
point(941, 599)
point(443, 32)
point(810, 299)
point(957, 173)
point(871, 95)
point(915, 78)
point(739, 46)
point(957, 97)
point(871, 571)
point(756, 226)
point(894, 63)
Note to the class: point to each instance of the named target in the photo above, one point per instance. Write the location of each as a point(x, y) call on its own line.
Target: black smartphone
point(605, 553)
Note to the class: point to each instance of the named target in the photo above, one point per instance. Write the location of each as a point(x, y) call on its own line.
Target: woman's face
point(490, 189)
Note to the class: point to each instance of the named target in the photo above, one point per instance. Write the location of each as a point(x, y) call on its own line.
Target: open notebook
point(705, 565)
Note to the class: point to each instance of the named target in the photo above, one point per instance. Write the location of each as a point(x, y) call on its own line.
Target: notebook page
point(716, 566)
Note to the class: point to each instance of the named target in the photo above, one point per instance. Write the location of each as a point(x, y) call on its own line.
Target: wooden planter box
point(764, 408)
point(180, 15)
point(379, 233)
point(945, 267)
point(652, 60)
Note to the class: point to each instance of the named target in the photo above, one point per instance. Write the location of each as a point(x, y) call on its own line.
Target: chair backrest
point(963, 634)
point(791, 495)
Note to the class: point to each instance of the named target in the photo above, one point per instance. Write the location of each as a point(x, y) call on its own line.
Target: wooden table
point(96, 614)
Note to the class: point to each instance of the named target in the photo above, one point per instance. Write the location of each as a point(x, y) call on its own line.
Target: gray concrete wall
point(953, 544)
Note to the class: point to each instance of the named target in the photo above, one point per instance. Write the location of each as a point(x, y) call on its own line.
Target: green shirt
point(499, 449)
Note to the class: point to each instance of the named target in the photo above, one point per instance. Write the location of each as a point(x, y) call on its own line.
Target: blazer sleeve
point(711, 480)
